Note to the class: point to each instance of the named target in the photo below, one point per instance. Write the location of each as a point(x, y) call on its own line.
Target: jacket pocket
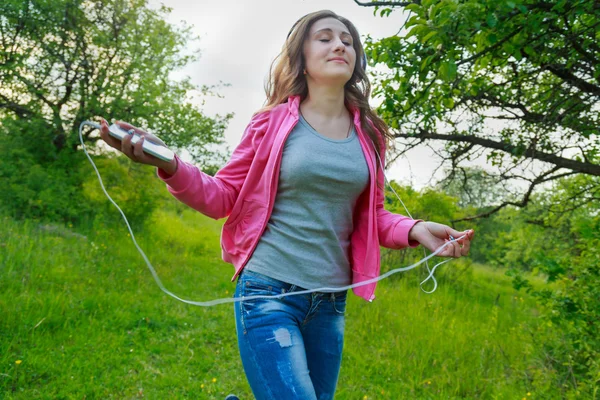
point(244, 227)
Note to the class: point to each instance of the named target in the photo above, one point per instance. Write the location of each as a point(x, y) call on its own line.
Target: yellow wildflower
point(214, 380)
point(18, 362)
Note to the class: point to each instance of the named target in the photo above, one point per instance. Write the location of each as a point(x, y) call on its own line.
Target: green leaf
point(448, 70)
point(374, 54)
point(413, 7)
point(517, 54)
point(491, 20)
point(529, 50)
point(416, 30)
point(508, 48)
point(448, 102)
point(434, 10)
point(429, 36)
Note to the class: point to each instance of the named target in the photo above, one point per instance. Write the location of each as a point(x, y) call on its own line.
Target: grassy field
point(82, 318)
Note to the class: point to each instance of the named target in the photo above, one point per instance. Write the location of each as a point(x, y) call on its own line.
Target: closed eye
point(327, 40)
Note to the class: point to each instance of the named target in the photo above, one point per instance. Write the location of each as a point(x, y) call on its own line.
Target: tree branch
point(524, 201)
point(18, 109)
point(568, 76)
point(531, 152)
point(388, 3)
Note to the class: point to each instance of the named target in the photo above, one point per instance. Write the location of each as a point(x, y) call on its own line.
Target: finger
point(126, 147)
point(140, 155)
point(138, 150)
point(456, 248)
point(105, 135)
point(456, 234)
point(450, 250)
point(465, 248)
point(453, 245)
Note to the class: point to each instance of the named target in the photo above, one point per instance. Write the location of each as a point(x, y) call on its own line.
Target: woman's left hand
point(433, 235)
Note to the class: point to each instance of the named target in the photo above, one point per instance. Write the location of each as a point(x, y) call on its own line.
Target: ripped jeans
point(291, 348)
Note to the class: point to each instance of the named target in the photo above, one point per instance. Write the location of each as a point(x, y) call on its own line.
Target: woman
point(304, 195)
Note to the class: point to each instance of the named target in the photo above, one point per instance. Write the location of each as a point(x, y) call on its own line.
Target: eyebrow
point(330, 30)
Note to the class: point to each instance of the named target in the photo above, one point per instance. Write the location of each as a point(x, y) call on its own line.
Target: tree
point(473, 187)
point(558, 234)
point(514, 81)
point(65, 61)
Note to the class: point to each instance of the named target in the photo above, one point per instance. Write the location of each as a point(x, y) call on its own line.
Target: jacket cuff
point(178, 181)
point(401, 231)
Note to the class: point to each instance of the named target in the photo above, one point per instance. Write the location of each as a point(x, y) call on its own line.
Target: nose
point(339, 45)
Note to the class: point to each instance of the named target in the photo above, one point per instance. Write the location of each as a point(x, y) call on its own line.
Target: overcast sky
point(240, 39)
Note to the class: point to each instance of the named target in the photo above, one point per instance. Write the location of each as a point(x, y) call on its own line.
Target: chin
point(336, 77)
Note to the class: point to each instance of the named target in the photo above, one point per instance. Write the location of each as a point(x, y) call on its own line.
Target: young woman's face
point(328, 40)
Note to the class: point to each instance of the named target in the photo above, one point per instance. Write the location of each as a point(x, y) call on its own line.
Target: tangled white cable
point(245, 298)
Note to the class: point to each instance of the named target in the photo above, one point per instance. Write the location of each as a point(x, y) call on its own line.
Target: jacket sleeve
point(392, 228)
point(215, 196)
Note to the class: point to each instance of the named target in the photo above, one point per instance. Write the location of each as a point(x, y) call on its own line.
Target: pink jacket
point(245, 188)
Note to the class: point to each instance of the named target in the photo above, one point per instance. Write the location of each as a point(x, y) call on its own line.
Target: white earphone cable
point(246, 298)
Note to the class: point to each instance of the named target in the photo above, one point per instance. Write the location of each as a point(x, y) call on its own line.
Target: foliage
point(516, 82)
point(568, 253)
point(62, 62)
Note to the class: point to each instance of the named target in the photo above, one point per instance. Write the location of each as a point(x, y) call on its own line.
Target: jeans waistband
point(253, 275)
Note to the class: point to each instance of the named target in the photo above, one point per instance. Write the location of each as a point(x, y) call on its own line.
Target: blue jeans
point(291, 348)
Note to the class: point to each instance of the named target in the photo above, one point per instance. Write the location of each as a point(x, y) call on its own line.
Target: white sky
point(240, 39)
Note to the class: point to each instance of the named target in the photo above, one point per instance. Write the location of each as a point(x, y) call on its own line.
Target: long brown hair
point(286, 78)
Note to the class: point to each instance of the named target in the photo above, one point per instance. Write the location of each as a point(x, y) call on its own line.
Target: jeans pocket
point(253, 311)
point(338, 302)
point(255, 283)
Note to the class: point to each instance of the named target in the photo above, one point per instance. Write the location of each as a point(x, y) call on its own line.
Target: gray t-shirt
point(307, 238)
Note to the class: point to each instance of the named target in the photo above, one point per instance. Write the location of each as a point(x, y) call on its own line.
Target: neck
point(326, 102)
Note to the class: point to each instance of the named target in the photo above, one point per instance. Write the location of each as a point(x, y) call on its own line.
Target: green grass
point(83, 318)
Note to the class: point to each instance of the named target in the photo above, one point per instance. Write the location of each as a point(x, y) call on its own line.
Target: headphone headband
point(364, 56)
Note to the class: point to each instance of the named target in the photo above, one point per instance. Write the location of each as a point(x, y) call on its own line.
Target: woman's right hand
point(135, 152)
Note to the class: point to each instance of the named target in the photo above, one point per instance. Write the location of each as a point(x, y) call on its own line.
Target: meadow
point(82, 318)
